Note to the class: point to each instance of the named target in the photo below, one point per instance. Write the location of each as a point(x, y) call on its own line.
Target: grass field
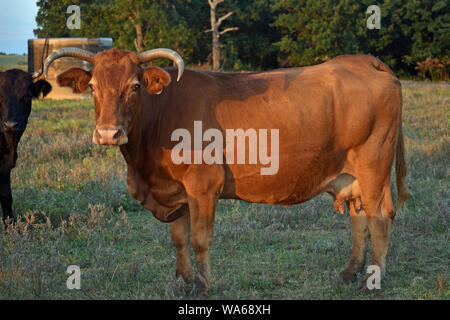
point(13, 61)
point(76, 210)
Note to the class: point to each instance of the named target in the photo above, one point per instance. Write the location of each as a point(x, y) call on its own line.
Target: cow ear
point(75, 78)
point(41, 86)
point(155, 79)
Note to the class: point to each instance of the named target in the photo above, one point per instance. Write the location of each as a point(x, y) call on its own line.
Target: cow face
point(17, 89)
point(119, 85)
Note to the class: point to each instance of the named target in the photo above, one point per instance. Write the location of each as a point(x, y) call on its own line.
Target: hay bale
point(36, 46)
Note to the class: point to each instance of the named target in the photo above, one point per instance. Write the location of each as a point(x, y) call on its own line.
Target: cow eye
point(136, 86)
point(91, 86)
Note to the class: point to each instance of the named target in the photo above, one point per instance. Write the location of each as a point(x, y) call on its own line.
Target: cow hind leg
point(360, 240)
point(380, 213)
point(380, 229)
point(203, 189)
point(179, 231)
point(372, 165)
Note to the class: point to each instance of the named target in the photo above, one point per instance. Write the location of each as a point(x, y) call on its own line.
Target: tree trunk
point(138, 41)
point(215, 24)
point(215, 41)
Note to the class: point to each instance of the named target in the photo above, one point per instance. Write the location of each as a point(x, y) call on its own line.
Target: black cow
point(17, 89)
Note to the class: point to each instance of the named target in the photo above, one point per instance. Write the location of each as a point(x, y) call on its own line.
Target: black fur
point(17, 89)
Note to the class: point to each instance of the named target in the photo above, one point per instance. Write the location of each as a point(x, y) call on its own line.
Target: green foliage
point(306, 40)
point(410, 31)
point(52, 18)
point(272, 33)
point(251, 46)
point(161, 24)
point(429, 29)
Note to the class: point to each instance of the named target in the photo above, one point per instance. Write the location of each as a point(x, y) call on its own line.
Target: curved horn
point(160, 53)
point(68, 52)
point(38, 73)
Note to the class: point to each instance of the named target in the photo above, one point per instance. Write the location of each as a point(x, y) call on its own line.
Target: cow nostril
point(110, 136)
point(117, 135)
point(11, 125)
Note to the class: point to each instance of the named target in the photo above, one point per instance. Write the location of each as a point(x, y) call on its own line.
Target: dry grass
point(76, 209)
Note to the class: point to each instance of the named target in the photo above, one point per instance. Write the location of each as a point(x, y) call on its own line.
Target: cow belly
point(300, 178)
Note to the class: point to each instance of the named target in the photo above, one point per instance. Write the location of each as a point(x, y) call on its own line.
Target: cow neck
point(144, 134)
point(8, 150)
point(4, 148)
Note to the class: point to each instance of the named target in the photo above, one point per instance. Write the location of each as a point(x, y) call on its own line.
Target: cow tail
point(400, 163)
point(400, 170)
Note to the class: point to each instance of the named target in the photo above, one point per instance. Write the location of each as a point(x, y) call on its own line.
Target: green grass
point(13, 61)
point(75, 209)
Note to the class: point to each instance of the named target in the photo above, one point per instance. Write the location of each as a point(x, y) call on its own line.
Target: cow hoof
point(199, 290)
point(347, 276)
point(362, 286)
point(186, 276)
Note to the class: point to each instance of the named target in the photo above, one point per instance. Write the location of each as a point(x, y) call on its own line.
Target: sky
point(17, 21)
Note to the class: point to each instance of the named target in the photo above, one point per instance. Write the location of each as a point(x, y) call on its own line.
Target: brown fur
point(76, 78)
point(155, 79)
point(400, 170)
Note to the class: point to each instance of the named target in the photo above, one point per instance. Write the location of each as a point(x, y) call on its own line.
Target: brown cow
point(339, 124)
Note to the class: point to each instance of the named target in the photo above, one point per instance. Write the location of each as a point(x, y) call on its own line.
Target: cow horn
point(160, 53)
point(38, 73)
point(68, 52)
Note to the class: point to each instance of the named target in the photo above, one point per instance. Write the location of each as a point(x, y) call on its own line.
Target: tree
point(315, 30)
point(411, 31)
point(215, 24)
point(427, 24)
point(133, 24)
point(52, 18)
point(145, 24)
point(251, 48)
point(272, 33)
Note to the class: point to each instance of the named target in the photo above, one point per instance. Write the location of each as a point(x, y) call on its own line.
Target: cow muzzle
point(110, 136)
point(11, 126)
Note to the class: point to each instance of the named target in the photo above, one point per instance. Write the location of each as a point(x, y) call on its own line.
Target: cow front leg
point(6, 198)
point(179, 231)
point(360, 240)
point(203, 185)
point(202, 230)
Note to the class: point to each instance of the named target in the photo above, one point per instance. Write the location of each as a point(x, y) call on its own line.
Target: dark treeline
point(413, 38)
